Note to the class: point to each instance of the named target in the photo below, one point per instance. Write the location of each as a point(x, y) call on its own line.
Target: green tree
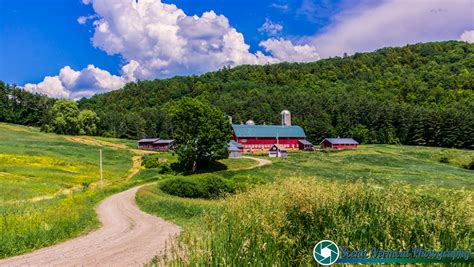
point(88, 121)
point(65, 119)
point(5, 109)
point(360, 133)
point(131, 127)
point(201, 133)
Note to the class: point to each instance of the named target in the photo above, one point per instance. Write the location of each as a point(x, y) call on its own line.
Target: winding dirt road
point(128, 237)
point(261, 162)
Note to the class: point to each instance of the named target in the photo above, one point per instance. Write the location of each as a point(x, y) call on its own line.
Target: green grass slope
point(57, 178)
point(384, 164)
point(386, 196)
point(38, 164)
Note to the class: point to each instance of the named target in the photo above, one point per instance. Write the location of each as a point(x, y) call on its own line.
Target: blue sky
point(47, 48)
point(40, 37)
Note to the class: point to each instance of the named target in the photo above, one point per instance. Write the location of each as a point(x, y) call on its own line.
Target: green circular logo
point(326, 252)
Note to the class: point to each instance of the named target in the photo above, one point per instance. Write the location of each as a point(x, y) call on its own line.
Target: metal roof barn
point(268, 131)
point(342, 141)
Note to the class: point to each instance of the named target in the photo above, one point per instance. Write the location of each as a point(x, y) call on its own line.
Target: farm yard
point(392, 197)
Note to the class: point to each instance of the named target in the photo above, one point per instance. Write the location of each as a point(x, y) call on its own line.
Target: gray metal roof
point(232, 146)
point(236, 144)
point(163, 141)
point(148, 140)
point(341, 141)
point(305, 142)
point(267, 131)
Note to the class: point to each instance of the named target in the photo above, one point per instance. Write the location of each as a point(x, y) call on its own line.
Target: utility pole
point(101, 169)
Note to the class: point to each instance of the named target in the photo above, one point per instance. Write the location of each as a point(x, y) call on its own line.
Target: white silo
point(250, 122)
point(285, 118)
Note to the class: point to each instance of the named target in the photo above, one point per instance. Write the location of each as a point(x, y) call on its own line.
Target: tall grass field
point(49, 185)
point(384, 196)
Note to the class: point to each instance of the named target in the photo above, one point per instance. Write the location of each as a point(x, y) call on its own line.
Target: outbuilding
point(234, 150)
point(305, 145)
point(163, 144)
point(339, 143)
point(147, 143)
point(156, 144)
point(277, 151)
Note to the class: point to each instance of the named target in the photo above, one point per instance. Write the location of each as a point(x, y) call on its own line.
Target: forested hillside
point(418, 94)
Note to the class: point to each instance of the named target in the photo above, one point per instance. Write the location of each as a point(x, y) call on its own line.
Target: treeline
point(22, 107)
point(418, 95)
point(61, 116)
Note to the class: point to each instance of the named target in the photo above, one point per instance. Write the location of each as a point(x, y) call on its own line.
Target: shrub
point(470, 165)
point(155, 161)
point(164, 168)
point(181, 187)
point(85, 185)
point(208, 187)
point(444, 159)
point(150, 161)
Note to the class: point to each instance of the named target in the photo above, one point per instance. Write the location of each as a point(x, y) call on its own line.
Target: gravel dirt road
point(128, 237)
point(261, 162)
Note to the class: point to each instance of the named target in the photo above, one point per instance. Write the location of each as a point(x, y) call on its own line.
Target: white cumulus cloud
point(74, 84)
point(165, 41)
point(467, 36)
point(285, 50)
point(51, 86)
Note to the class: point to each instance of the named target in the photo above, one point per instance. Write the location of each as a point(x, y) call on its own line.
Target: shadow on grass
point(208, 168)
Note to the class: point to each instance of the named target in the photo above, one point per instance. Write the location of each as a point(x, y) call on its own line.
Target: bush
point(470, 165)
point(151, 161)
point(155, 161)
point(164, 168)
point(444, 159)
point(208, 187)
point(85, 185)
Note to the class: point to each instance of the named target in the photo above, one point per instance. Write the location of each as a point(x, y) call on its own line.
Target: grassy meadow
point(388, 196)
point(392, 197)
point(49, 185)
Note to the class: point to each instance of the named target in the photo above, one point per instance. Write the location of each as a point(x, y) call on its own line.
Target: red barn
point(156, 144)
point(339, 143)
point(262, 137)
point(147, 143)
point(163, 145)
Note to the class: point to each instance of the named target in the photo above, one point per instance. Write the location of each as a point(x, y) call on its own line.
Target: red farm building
point(339, 143)
point(156, 144)
point(262, 137)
